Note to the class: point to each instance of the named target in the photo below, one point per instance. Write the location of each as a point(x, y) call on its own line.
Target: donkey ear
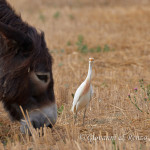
point(19, 37)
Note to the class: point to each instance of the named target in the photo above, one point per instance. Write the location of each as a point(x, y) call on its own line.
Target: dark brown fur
point(17, 59)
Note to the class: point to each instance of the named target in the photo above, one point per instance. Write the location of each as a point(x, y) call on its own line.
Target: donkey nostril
point(33, 124)
point(43, 78)
point(36, 124)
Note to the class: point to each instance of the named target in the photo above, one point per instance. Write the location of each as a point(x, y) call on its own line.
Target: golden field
point(122, 30)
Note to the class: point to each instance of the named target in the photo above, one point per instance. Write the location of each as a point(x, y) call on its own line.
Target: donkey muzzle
point(45, 116)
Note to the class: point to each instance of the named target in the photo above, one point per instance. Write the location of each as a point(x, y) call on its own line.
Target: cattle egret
point(83, 94)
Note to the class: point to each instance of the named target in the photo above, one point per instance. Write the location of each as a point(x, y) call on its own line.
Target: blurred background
point(83, 3)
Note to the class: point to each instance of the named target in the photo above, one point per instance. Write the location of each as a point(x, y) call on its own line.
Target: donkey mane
point(13, 73)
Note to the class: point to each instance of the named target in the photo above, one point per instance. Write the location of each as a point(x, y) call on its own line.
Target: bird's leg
point(75, 118)
point(84, 115)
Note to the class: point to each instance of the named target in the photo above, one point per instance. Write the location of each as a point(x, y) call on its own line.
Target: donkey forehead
point(42, 67)
point(42, 62)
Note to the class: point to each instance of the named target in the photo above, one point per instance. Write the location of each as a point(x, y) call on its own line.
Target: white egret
point(83, 94)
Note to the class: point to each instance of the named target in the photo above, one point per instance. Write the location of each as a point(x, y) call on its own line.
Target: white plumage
point(84, 93)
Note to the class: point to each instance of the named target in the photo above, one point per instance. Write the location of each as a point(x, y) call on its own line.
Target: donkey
point(26, 78)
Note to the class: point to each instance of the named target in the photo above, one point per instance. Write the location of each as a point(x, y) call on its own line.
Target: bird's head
point(91, 60)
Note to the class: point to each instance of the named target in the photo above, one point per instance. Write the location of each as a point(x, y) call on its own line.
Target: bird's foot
point(83, 122)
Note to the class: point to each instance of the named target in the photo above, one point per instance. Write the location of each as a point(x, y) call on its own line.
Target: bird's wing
point(77, 95)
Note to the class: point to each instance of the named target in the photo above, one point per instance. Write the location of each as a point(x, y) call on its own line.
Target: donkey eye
point(40, 78)
point(43, 78)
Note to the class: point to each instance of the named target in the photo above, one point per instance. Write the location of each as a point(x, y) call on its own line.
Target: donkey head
point(26, 77)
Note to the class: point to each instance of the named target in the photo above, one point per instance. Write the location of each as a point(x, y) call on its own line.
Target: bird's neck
point(89, 73)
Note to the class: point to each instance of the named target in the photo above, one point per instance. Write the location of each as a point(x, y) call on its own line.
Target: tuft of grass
point(56, 15)
point(83, 48)
point(106, 48)
point(69, 43)
point(42, 17)
point(62, 50)
point(60, 64)
point(60, 110)
point(98, 49)
point(71, 17)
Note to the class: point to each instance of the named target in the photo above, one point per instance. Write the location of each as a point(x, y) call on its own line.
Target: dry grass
point(122, 26)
